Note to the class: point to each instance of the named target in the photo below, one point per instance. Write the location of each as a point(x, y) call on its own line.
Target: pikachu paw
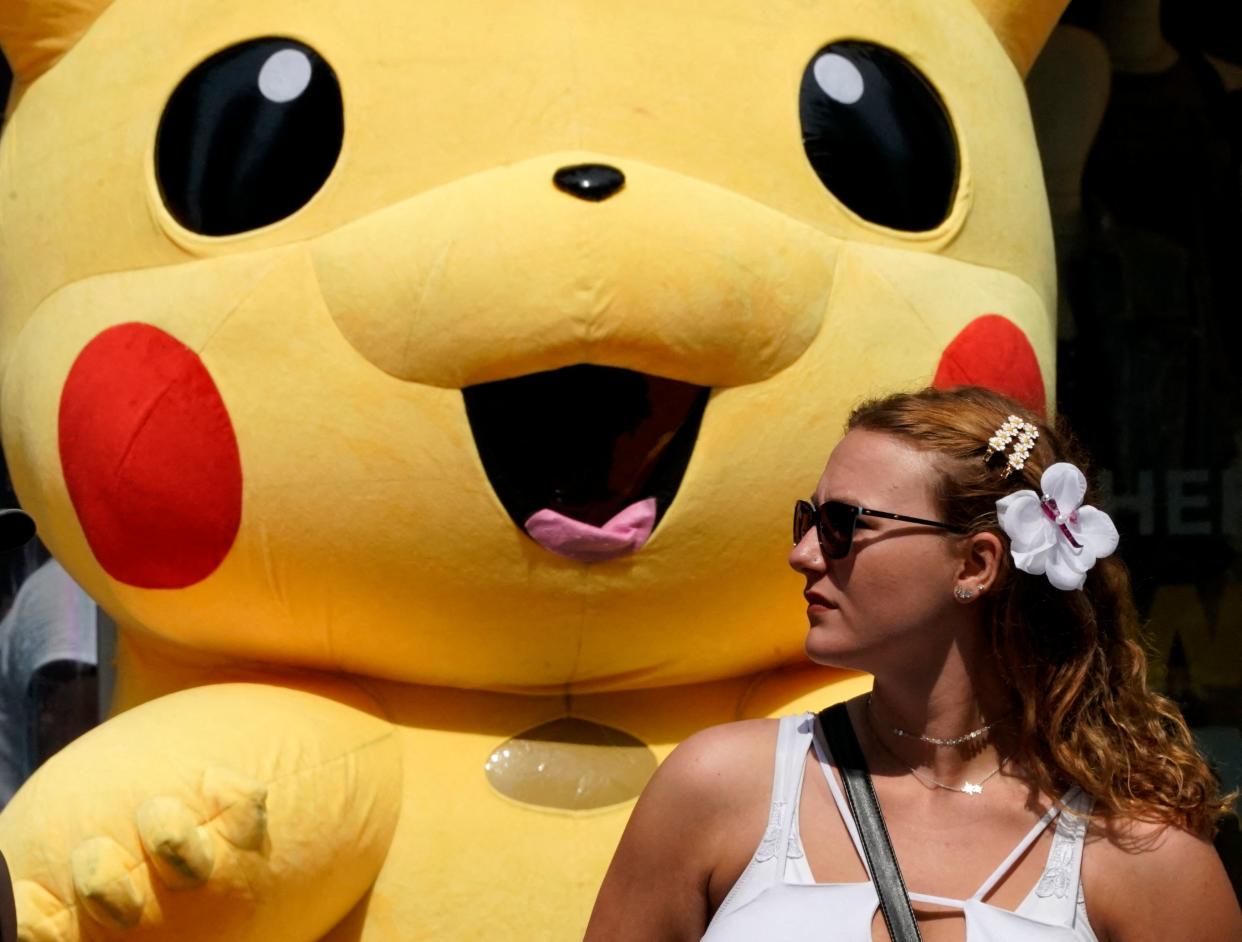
point(181, 846)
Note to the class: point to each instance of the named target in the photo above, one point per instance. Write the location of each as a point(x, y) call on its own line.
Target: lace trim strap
point(786, 788)
point(1023, 845)
point(1061, 876)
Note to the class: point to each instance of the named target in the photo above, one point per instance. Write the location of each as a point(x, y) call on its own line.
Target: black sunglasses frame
point(808, 514)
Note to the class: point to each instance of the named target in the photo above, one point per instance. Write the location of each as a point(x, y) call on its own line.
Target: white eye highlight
point(839, 78)
point(285, 75)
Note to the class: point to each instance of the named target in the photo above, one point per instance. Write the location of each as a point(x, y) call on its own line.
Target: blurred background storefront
point(1138, 108)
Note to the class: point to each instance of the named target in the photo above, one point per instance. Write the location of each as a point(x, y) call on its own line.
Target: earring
point(963, 594)
point(982, 588)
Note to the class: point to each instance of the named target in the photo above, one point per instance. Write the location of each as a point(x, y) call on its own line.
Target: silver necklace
point(932, 740)
point(966, 788)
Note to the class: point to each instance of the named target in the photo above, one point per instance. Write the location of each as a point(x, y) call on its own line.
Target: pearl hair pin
point(1025, 433)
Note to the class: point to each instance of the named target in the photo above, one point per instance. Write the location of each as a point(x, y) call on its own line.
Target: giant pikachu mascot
point(424, 385)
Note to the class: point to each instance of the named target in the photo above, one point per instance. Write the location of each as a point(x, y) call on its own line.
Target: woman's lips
point(815, 600)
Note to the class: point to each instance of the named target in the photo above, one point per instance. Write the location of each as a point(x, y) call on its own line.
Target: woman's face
point(893, 594)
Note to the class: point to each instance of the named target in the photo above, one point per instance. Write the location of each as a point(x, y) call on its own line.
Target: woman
point(1008, 731)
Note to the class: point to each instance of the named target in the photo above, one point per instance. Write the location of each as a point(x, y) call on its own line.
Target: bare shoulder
point(1148, 851)
point(1146, 880)
point(720, 760)
point(710, 777)
point(656, 887)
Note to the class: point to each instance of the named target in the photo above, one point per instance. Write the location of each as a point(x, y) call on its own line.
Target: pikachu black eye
point(249, 136)
point(878, 136)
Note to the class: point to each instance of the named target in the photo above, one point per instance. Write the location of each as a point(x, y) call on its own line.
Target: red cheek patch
point(992, 351)
point(150, 458)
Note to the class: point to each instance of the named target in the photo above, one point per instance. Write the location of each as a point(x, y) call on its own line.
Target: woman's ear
point(980, 566)
point(34, 34)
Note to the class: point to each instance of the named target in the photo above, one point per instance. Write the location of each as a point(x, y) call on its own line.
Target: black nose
point(589, 181)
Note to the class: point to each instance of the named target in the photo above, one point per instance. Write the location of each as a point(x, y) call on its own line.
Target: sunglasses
point(834, 522)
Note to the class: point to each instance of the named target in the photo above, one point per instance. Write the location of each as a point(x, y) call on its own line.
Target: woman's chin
point(828, 643)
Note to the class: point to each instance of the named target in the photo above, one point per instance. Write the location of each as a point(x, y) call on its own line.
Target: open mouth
point(586, 459)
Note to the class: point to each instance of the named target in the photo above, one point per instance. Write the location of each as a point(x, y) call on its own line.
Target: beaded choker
point(967, 787)
point(932, 740)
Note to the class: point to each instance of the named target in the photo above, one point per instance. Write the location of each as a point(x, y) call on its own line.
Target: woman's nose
point(806, 555)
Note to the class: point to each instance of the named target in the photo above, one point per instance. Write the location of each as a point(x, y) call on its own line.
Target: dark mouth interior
point(585, 441)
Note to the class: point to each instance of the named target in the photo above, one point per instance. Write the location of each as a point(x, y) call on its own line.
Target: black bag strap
point(8, 911)
point(889, 884)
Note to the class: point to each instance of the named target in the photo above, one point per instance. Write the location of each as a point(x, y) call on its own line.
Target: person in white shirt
point(48, 693)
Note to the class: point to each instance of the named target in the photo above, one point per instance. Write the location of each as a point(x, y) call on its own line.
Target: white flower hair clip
point(1053, 534)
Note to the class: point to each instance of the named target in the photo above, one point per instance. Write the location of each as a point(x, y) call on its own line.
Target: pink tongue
point(623, 534)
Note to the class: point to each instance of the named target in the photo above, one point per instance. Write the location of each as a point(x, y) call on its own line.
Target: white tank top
point(777, 900)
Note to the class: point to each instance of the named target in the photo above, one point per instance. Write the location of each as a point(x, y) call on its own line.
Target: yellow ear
point(35, 33)
point(1023, 26)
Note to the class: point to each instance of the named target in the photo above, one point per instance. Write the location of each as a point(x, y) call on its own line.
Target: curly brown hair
point(1073, 660)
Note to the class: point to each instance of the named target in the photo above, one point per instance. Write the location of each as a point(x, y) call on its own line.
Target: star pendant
point(970, 788)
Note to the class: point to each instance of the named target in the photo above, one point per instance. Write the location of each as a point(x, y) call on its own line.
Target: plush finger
point(239, 807)
point(103, 878)
point(177, 843)
point(42, 916)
